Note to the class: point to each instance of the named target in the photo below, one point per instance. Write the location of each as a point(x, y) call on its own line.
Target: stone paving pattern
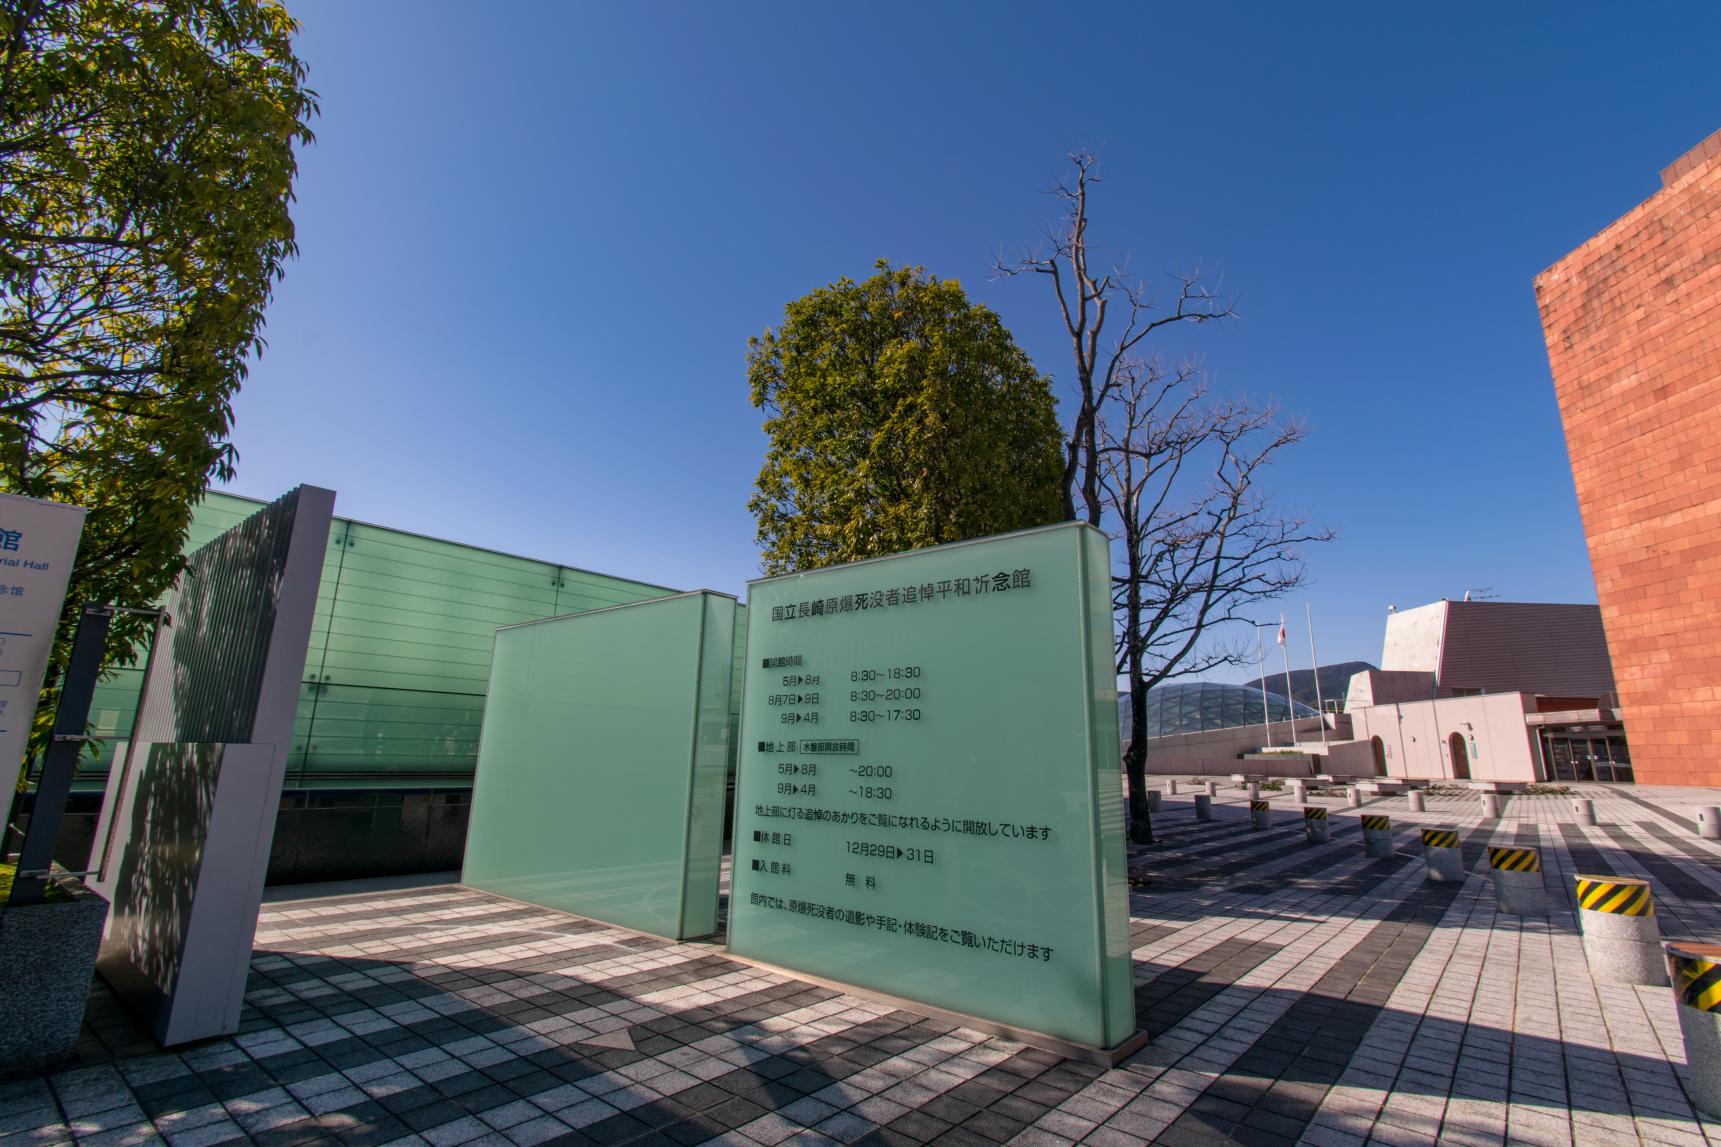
point(1295, 993)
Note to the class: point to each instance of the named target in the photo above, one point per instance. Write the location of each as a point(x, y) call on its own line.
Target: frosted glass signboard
point(38, 545)
point(603, 762)
point(929, 803)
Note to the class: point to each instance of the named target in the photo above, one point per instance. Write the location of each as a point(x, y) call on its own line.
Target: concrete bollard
point(1212, 789)
point(1621, 937)
point(1377, 837)
point(1299, 791)
point(1441, 850)
point(1254, 792)
point(1517, 874)
point(1170, 788)
point(1709, 823)
point(1315, 827)
point(1491, 804)
point(1417, 803)
point(1584, 812)
point(1154, 800)
point(1203, 807)
point(1353, 798)
point(1696, 973)
point(1258, 814)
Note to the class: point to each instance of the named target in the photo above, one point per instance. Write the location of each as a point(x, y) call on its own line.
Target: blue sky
point(533, 247)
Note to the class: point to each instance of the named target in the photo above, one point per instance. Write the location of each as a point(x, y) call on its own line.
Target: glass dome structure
point(1199, 706)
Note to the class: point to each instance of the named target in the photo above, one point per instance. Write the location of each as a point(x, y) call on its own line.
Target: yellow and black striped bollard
point(1315, 827)
point(1442, 849)
point(1258, 815)
point(1517, 874)
point(1621, 936)
point(1377, 837)
point(1696, 973)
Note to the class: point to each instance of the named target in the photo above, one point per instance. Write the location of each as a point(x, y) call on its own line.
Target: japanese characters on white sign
point(38, 543)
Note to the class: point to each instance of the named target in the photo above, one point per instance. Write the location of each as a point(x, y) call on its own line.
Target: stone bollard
point(1154, 800)
point(1441, 849)
point(1212, 790)
point(1709, 823)
point(1696, 974)
point(1491, 804)
point(1170, 788)
point(1377, 837)
point(1258, 815)
point(1254, 791)
point(1299, 791)
point(1417, 803)
point(1353, 798)
point(1203, 807)
point(1621, 937)
point(1315, 827)
point(1517, 874)
point(1584, 812)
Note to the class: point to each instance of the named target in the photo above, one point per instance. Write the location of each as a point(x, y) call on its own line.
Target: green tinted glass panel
point(605, 745)
point(929, 802)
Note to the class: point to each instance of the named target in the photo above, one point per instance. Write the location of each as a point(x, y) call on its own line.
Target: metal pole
point(60, 762)
point(1290, 704)
point(1315, 661)
point(1261, 664)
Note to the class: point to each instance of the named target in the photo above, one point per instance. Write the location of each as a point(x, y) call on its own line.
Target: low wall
point(1217, 752)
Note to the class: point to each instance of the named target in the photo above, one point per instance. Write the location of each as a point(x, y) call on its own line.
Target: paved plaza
point(1294, 993)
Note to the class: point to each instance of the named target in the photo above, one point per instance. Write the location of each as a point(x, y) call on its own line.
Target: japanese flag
point(1281, 629)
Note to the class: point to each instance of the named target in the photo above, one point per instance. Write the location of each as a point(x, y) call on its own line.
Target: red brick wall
point(1633, 326)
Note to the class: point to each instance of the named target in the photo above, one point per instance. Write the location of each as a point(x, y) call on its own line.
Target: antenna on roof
point(1482, 593)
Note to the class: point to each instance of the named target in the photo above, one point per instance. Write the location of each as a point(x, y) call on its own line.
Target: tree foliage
point(900, 415)
point(146, 172)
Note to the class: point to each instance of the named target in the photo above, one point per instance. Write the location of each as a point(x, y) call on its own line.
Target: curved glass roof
point(1198, 706)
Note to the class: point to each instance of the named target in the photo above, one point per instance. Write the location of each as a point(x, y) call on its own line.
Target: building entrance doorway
point(1460, 757)
point(1582, 756)
point(1379, 748)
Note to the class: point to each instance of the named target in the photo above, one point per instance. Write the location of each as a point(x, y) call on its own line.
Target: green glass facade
point(399, 660)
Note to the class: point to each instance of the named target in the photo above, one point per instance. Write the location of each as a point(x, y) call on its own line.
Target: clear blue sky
point(535, 240)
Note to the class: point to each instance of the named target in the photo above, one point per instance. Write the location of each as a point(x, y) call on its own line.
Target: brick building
point(1633, 326)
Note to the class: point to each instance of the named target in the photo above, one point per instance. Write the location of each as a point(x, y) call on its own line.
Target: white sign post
point(38, 543)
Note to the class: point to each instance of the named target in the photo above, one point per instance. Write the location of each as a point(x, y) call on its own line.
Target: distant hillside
point(1335, 679)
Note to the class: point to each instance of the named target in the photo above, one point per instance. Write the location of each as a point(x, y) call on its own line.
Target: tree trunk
point(1135, 763)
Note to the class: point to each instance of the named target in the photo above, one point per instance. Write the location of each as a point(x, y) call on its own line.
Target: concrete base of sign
point(1086, 1053)
point(1377, 842)
point(1203, 807)
point(1584, 811)
point(1418, 802)
point(1702, 1032)
point(1709, 823)
point(1445, 864)
point(1492, 803)
point(1519, 893)
point(1623, 949)
point(47, 958)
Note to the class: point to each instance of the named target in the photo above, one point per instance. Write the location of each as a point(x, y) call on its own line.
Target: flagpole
point(1309, 610)
point(1290, 704)
point(1261, 664)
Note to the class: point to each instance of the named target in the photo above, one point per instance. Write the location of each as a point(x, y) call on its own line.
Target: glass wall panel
point(600, 786)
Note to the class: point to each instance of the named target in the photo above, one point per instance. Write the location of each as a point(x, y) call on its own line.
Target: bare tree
point(1201, 540)
point(1091, 300)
